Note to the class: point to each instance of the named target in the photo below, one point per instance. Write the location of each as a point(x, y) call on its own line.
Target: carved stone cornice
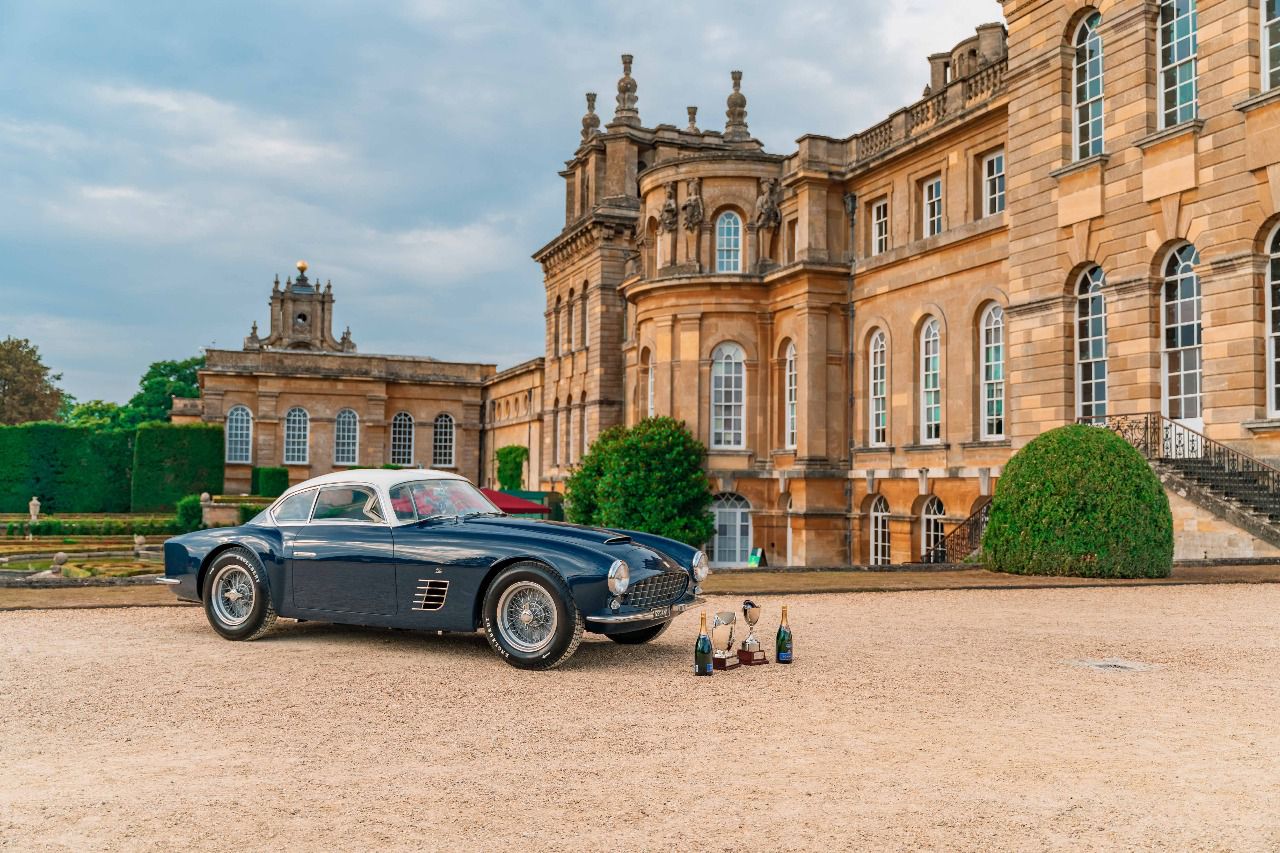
point(1249, 263)
point(1141, 285)
point(582, 237)
point(1036, 307)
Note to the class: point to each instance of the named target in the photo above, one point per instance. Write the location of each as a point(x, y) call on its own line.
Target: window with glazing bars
point(878, 366)
point(1182, 334)
point(880, 227)
point(1091, 346)
point(1087, 94)
point(993, 184)
point(239, 435)
point(346, 438)
point(930, 382)
point(993, 372)
point(932, 206)
point(1177, 60)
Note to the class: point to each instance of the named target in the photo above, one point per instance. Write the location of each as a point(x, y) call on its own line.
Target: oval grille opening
point(666, 588)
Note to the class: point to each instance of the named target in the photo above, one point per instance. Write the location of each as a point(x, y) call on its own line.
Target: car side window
point(346, 503)
point(402, 503)
point(295, 509)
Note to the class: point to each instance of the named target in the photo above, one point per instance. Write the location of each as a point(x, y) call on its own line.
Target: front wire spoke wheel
point(527, 616)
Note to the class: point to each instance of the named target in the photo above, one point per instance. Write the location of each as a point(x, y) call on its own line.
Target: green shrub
point(188, 514)
point(1079, 500)
point(248, 512)
point(70, 468)
point(511, 461)
point(269, 482)
point(173, 460)
point(647, 478)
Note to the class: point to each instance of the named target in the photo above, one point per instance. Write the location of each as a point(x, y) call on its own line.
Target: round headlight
point(700, 567)
point(619, 577)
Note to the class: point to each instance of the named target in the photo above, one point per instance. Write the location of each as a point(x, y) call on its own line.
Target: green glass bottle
point(783, 647)
point(702, 650)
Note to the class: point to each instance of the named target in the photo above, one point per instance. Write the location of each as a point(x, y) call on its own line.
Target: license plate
point(660, 613)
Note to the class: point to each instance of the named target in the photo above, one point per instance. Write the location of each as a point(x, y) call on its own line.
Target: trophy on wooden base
point(750, 653)
point(724, 657)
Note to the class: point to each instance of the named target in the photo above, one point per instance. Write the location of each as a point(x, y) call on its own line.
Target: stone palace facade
point(1078, 219)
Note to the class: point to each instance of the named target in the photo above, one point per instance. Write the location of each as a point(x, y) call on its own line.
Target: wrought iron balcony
point(963, 540)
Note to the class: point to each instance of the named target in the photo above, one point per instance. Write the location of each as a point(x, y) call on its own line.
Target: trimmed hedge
point(1080, 501)
point(268, 482)
point(71, 469)
point(510, 466)
point(189, 514)
point(173, 460)
point(96, 527)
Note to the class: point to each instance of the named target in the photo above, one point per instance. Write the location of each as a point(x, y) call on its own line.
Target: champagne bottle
point(702, 650)
point(784, 639)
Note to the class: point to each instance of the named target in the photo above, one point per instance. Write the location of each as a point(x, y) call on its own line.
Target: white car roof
point(383, 478)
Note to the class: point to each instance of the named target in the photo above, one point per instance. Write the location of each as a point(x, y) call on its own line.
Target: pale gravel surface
point(920, 720)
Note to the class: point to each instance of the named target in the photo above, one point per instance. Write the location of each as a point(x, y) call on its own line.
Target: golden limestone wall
point(513, 415)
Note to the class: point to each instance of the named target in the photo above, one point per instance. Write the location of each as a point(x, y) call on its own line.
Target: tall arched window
point(346, 438)
point(582, 427)
point(791, 390)
point(931, 533)
point(1091, 346)
point(930, 382)
point(1181, 317)
point(297, 429)
point(728, 397)
point(729, 242)
point(649, 395)
point(1087, 96)
point(731, 544)
point(570, 330)
point(879, 518)
point(993, 372)
point(555, 432)
point(402, 439)
point(1270, 44)
point(239, 435)
point(568, 428)
point(555, 329)
point(442, 441)
point(878, 409)
point(1273, 325)
point(582, 319)
point(1177, 61)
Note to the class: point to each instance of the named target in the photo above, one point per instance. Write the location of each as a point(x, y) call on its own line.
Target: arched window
point(729, 242)
point(791, 389)
point(570, 332)
point(582, 319)
point(555, 329)
point(346, 438)
point(1177, 61)
point(930, 382)
point(931, 533)
point(442, 441)
point(1273, 324)
point(297, 429)
point(402, 439)
point(1091, 346)
point(647, 361)
point(1087, 97)
point(239, 435)
point(1270, 44)
point(731, 543)
point(728, 397)
point(879, 531)
point(993, 372)
point(1181, 318)
point(582, 428)
point(877, 381)
point(555, 432)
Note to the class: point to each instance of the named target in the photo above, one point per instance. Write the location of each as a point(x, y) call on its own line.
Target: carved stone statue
point(346, 343)
point(33, 507)
point(669, 217)
point(767, 217)
point(694, 214)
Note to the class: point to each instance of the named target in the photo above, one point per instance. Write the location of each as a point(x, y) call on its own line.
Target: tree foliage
point(98, 414)
point(27, 388)
point(1079, 500)
point(648, 478)
point(511, 461)
point(163, 381)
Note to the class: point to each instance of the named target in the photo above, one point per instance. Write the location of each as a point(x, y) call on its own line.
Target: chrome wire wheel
point(233, 591)
point(527, 616)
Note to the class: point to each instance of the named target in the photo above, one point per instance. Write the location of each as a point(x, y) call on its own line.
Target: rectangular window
point(1178, 96)
point(880, 226)
point(1270, 44)
point(931, 195)
point(993, 184)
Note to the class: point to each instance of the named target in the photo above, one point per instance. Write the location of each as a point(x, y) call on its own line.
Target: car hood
point(557, 530)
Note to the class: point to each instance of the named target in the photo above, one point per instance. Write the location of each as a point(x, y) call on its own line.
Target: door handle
point(304, 553)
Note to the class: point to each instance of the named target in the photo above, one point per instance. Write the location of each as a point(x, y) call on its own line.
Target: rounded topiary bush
point(1079, 500)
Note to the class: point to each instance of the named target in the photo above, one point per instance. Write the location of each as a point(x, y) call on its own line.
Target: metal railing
point(963, 540)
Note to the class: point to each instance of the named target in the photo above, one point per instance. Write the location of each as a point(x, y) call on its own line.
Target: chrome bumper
point(648, 615)
point(168, 581)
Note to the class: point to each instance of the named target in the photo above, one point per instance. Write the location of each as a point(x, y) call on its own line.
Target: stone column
point(812, 446)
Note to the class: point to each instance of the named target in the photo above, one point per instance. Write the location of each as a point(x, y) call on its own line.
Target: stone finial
point(735, 129)
point(590, 121)
point(693, 120)
point(346, 344)
point(206, 498)
point(275, 288)
point(253, 341)
point(626, 113)
point(139, 540)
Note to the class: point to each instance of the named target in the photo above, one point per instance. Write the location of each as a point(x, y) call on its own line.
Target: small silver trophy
point(724, 657)
point(750, 652)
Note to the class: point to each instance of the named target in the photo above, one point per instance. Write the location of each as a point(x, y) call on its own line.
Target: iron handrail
point(963, 540)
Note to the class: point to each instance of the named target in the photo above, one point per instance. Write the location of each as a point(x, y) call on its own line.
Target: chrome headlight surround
point(619, 577)
point(700, 567)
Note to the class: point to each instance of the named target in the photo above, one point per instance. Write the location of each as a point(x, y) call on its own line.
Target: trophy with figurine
point(750, 653)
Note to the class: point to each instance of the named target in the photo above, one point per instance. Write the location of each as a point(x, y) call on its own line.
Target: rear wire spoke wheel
point(530, 618)
point(237, 601)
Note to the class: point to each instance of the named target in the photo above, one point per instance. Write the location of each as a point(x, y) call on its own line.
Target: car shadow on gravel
point(595, 652)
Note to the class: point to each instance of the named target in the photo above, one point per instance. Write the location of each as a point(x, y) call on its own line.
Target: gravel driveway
point(939, 720)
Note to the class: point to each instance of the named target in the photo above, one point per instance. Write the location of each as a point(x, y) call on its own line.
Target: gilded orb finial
point(302, 266)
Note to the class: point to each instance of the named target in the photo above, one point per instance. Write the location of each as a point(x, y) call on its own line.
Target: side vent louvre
point(431, 594)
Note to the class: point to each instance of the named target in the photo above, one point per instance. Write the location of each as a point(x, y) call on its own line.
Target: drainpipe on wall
point(851, 208)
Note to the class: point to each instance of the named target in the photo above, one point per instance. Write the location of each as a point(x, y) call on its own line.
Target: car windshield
point(423, 499)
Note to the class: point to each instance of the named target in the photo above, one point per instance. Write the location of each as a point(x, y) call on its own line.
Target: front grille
point(431, 594)
point(666, 588)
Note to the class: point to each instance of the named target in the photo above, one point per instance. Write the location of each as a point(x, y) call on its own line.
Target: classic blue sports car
point(426, 549)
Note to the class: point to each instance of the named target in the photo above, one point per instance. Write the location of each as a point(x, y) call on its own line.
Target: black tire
point(563, 635)
point(260, 615)
point(644, 635)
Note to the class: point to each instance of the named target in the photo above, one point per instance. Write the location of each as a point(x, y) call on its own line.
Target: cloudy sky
point(160, 162)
